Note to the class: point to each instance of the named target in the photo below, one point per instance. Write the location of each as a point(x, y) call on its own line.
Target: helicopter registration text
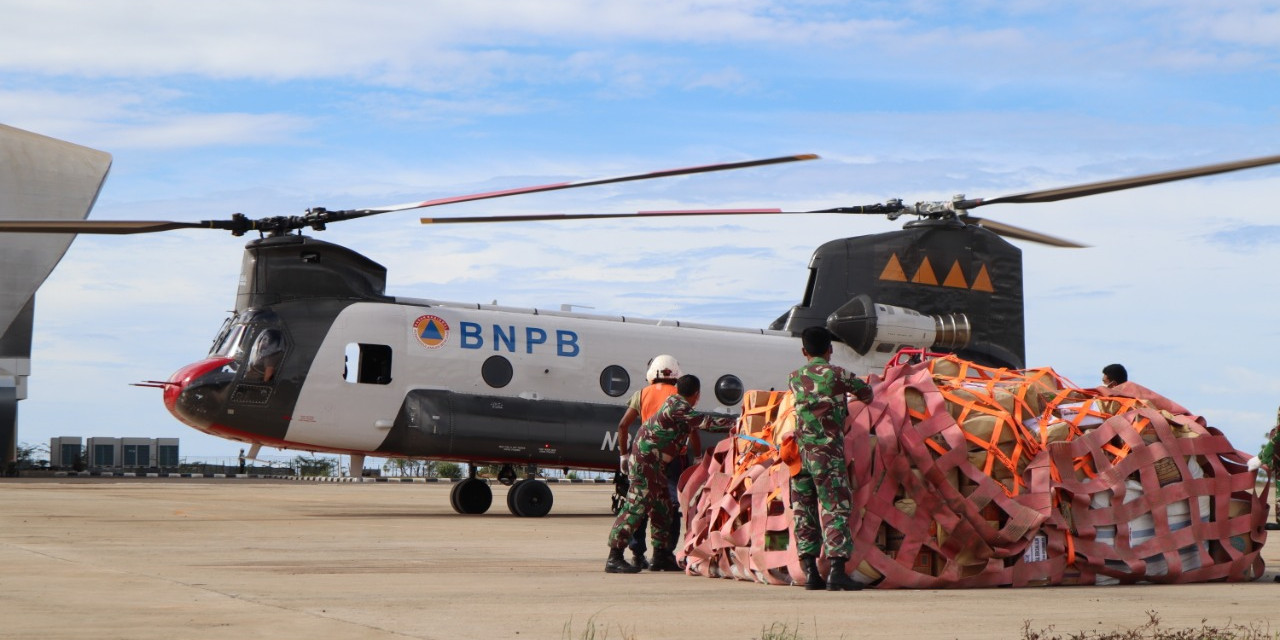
point(509, 336)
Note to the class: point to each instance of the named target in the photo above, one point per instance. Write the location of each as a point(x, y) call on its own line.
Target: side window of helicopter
point(614, 381)
point(496, 371)
point(367, 363)
point(729, 390)
point(266, 355)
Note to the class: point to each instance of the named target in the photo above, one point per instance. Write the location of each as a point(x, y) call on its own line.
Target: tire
point(511, 497)
point(531, 498)
point(471, 496)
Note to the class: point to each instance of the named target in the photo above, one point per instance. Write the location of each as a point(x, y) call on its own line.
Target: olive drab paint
point(932, 268)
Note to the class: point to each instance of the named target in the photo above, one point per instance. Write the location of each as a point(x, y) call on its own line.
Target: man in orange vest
point(663, 372)
point(653, 447)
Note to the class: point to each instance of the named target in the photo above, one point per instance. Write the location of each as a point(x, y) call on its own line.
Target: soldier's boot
point(618, 564)
point(664, 560)
point(637, 559)
point(812, 577)
point(838, 580)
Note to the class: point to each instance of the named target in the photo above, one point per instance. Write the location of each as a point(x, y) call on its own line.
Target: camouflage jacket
point(819, 388)
point(1269, 450)
point(669, 428)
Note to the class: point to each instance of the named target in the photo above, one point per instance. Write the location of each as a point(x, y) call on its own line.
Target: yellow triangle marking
point(955, 278)
point(925, 275)
point(983, 281)
point(893, 270)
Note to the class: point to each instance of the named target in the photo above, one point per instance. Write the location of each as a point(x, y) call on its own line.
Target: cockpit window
point(233, 338)
point(216, 348)
point(228, 343)
point(266, 354)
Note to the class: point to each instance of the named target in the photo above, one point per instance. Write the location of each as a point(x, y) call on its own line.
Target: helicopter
point(317, 356)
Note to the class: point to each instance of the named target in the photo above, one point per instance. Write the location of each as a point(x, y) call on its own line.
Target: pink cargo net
point(967, 476)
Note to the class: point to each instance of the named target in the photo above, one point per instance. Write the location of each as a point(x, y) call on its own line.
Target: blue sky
point(269, 108)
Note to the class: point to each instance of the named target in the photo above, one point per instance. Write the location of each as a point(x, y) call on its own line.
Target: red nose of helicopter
point(194, 392)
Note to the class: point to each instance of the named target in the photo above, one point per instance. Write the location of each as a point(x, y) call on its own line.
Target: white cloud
point(440, 45)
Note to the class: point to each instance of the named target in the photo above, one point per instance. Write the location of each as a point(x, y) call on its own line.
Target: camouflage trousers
point(673, 470)
point(1276, 475)
point(821, 500)
point(648, 496)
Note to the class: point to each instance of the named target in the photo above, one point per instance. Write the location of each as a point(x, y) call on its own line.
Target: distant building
point(65, 451)
point(124, 453)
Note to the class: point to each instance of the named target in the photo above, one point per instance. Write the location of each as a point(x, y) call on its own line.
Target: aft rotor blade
point(586, 183)
point(113, 227)
point(1010, 231)
point(533, 217)
point(1107, 186)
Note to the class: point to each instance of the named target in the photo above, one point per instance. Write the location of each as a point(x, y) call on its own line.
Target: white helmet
point(663, 366)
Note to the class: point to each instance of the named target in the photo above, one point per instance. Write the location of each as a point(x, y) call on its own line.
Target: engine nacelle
point(866, 326)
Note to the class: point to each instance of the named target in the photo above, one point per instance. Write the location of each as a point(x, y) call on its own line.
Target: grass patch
point(783, 631)
point(595, 631)
point(1151, 630)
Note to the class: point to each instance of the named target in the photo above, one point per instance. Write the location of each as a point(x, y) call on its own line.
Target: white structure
point(41, 178)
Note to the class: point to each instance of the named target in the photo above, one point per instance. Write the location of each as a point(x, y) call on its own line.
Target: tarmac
point(143, 558)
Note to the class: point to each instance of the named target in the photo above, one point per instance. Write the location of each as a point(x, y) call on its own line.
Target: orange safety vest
point(652, 397)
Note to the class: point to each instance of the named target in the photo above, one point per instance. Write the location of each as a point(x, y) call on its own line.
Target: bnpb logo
point(432, 331)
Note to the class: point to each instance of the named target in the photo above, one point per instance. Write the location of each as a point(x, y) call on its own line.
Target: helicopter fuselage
point(316, 358)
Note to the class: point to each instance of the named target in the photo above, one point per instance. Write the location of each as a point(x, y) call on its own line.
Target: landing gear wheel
point(530, 499)
point(511, 497)
point(471, 496)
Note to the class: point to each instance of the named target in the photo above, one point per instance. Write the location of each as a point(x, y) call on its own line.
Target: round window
point(614, 380)
point(496, 371)
point(729, 390)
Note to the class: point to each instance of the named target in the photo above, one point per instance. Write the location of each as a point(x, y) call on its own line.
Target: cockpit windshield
point(257, 333)
point(228, 342)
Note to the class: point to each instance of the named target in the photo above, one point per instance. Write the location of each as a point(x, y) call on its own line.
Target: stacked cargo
point(966, 476)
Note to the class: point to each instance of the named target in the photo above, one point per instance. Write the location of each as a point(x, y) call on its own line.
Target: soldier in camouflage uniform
point(1269, 457)
point(656, 444)
point(820, 491)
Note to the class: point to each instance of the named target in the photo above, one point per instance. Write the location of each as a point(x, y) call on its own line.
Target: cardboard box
point(1038, 550)
point(755, 399)
point(754, 424)
point(926, 561)
point(1167, 471)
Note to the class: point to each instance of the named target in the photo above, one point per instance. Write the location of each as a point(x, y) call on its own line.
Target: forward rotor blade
point(1010, 231)
point(586, 183)
point(1107, 186)
point(533, 217)
point(112, 227)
